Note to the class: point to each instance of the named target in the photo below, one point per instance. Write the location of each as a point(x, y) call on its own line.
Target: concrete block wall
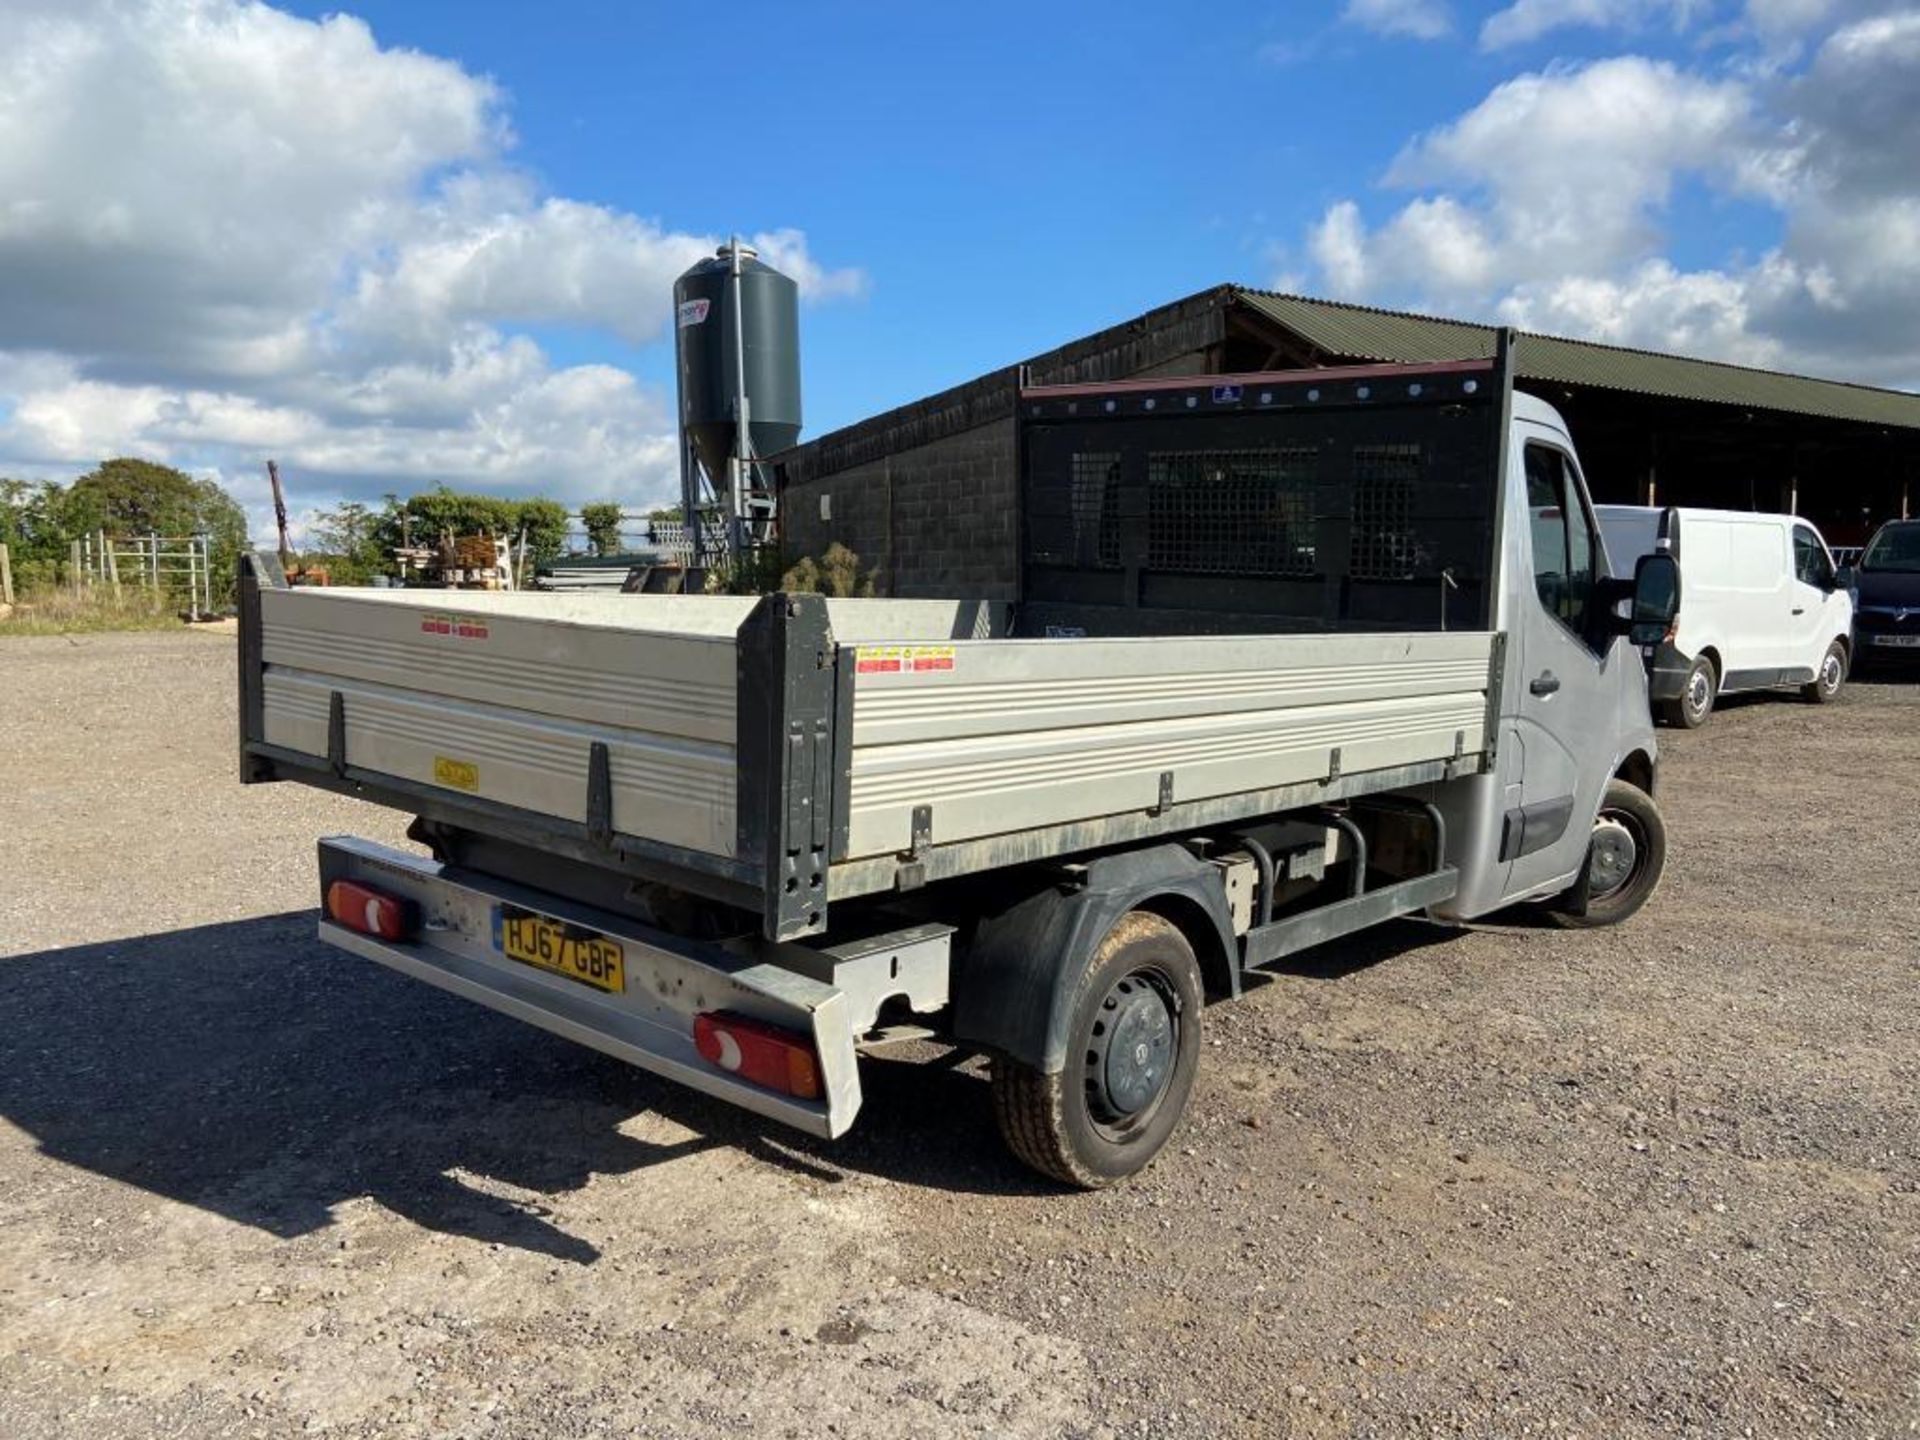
point(928, 495)
point(936, 520)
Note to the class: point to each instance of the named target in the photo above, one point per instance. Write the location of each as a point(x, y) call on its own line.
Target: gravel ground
point(1516, 1181)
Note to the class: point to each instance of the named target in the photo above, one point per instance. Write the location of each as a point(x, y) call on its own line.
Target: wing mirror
point(1656, 598)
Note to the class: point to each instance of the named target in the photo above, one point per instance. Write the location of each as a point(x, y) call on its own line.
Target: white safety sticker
point(692, 312)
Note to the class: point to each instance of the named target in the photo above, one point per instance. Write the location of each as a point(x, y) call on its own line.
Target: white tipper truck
point(1295, 654)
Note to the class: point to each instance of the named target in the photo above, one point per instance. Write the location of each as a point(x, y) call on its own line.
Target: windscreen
point(1897, 547)
point(1629, 531)
point(1169, 513)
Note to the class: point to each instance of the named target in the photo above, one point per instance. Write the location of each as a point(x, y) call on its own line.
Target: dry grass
point(62, 611)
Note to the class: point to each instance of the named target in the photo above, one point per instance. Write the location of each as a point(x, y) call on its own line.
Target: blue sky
point(1008, 176)
point(413, 242)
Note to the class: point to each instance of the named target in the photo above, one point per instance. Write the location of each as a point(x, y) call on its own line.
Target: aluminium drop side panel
point(505, 702)
point(993, 737)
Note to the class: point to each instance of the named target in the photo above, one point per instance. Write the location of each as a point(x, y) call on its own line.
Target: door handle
point(1799, 609)
point(1545, 684)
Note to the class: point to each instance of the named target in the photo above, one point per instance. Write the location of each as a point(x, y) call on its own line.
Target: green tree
point(602, 519)
point(127, 497)
point(137, 497)
point(545, 522)
point(346, 537)
point(431, 516)
point(33, 528)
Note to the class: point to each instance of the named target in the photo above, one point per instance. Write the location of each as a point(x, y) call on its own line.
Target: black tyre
point(1625, 859)
point(1831, 675)
point(1133, 1045)
point(1696, 699)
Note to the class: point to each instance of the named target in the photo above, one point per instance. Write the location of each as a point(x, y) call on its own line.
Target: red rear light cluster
point(754, 1050)
point(370, 911)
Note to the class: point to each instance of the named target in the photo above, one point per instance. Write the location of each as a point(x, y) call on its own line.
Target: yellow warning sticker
point(902, 659)
point(460, 774)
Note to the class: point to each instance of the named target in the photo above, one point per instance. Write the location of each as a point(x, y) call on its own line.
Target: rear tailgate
point(685, 739)
point(504, 696)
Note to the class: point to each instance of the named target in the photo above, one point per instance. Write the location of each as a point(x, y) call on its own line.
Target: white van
point(1759, 605)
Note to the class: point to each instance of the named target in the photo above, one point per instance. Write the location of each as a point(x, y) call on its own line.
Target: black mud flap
point(1013, 985)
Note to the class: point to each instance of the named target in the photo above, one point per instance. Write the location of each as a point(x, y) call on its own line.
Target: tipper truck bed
point(738, 840)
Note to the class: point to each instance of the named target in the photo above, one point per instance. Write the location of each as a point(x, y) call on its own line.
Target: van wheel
point(1133, 1045)
point(1690, 711)
point(1625, 859)
point(1830, 677)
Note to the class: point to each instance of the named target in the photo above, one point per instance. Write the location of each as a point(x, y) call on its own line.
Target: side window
point(1810, 560)
point(1563, 548)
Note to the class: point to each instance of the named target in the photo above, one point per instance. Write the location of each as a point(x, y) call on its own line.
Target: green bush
point(837, 573)
point(428, 518)
point(602, 522)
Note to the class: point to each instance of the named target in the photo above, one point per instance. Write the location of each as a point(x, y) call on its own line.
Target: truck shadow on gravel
point(247, 1070)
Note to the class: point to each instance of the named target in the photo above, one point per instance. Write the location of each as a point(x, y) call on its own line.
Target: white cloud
point(1548, 203)
point(1653, 306)
point(1417, 19)
point(1551, 172)
point(226, 231)
point(1338, 246)
point(1528, 20)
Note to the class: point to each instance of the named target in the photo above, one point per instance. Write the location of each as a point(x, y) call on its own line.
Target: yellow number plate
point(562, 950)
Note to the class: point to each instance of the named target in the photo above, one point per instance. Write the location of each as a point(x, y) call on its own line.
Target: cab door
point(1567, 705)
point(1819, 610)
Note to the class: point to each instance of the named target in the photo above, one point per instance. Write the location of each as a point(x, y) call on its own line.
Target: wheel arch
point(1212, 946)
point(1013, 983)
point(1639, 769)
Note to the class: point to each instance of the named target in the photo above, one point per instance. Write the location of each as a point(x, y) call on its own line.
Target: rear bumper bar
point(669, 980)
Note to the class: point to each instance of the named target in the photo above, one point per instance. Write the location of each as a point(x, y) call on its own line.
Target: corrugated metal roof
point(1359, 333)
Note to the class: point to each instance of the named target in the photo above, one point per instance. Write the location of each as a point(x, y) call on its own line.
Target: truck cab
point(1576, 713)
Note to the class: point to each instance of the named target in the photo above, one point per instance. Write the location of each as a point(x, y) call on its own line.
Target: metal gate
point(171, 566)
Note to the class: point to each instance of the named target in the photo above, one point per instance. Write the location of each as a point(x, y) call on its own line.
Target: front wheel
point(1831, 675)
point(1625, 858)
point(1133, 1045)
point(1696, 697)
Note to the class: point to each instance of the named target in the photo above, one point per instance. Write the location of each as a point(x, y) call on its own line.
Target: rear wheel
point(1697, 695)
point(1625, 858)
point(1133, 1045)
point(1831, 675)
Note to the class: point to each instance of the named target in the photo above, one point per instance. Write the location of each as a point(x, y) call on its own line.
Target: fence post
point(6, 576)
point(112, 568)
point(73, 565)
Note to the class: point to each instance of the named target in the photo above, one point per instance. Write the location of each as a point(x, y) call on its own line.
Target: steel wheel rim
point(1132, 1052)
point(1830, 672)
point(1614, 857)
point(1699, 691)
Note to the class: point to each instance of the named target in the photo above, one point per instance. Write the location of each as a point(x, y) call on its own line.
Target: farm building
point(927, 496)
